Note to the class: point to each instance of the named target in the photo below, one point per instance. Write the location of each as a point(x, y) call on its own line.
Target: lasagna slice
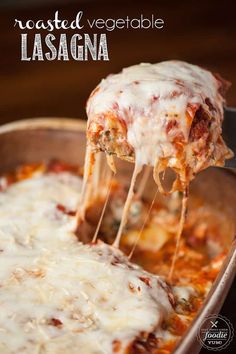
point(163, 115)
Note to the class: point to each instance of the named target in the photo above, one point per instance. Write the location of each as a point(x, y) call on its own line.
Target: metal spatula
point(229, 134)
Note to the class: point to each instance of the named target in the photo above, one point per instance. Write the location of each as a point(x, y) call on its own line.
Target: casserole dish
point(38, 140)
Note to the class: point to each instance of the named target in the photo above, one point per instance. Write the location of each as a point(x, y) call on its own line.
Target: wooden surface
point(201, 32)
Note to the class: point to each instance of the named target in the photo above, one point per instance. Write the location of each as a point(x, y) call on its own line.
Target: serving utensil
point(229, 133)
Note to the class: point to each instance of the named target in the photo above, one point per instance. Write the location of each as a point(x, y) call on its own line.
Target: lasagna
point(166, 115)
point(66, 286)
point(60, 294)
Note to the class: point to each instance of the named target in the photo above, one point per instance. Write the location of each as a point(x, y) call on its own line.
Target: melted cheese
point(149, 96)
point(58, 295)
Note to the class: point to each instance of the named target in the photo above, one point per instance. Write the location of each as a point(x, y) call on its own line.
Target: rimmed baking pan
point(43, 139)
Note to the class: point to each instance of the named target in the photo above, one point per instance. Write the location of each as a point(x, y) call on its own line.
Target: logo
point(215, 332)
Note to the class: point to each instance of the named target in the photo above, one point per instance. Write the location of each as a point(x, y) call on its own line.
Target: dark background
point(201, 32)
